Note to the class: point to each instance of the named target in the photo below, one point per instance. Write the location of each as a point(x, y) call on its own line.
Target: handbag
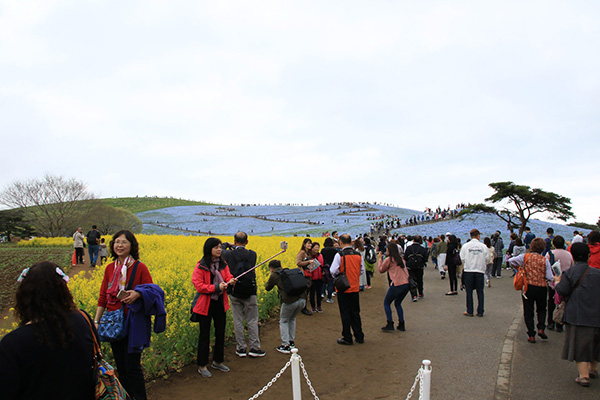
point(112, 324)
point(107, 385)
point(341, 282)
point(520, 280)
point(558, 315)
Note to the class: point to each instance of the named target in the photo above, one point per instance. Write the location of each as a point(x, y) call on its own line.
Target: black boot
point(389, 327)
point(401, 326)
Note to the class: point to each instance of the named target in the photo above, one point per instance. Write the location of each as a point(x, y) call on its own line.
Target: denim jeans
point(395, 294)
point(287, 320)
point(474, 281)
point(93, 249)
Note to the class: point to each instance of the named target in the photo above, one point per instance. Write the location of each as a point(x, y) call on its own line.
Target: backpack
point(246, 285)
point(415, 261)
point(293, 281)
point(370, 256)
point(520, 279)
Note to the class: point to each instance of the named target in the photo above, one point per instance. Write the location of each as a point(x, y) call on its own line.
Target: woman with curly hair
point(53, 337)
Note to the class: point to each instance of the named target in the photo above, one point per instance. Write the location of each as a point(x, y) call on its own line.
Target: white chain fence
point(423, 378)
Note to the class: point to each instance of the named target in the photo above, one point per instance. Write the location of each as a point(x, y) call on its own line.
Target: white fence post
point(426, 379)
point(297, 394)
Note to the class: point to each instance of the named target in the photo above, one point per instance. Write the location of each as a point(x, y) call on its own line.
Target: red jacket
point(594, 260)
point(142, 276)
point(202, 280)
point(317, 273)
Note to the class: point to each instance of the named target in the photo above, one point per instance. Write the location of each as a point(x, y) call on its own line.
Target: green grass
point(14, 259)
point(140, 204)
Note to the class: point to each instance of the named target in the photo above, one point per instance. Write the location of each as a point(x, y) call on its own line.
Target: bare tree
point(51, 204)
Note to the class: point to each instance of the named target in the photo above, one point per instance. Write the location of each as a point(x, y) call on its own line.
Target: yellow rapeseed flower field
point(171, 260)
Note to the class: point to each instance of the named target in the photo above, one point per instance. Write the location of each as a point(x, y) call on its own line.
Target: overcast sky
point(417, 104)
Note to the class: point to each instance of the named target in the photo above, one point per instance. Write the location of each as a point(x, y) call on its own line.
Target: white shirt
point(577, 239)
point(475, 256)
point(337, 260)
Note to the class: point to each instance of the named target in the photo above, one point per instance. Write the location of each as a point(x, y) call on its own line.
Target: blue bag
point(112, 324)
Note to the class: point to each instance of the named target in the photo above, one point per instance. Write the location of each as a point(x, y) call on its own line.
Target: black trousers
point(452, 278)
point(536, 299)
point(129, 368)
point(79, 254)
point(315, 293)
point(216, 313)
point(349, 305)
point(417, 275)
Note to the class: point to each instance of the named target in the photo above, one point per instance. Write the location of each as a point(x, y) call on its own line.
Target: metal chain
point(417, 379)
point(421, 370)
point(268, 385)
point(312, 390)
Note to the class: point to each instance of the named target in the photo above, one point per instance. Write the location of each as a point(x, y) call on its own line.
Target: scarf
point(217, 278)
point(118, 280)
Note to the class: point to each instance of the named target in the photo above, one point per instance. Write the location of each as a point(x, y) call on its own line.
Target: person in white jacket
point(475, 257)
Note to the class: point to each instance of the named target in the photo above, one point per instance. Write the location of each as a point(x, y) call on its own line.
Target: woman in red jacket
point(210, 278)
point(317, 278)
point(124, 249)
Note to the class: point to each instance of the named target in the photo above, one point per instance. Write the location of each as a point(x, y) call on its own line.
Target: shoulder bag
point(111, 326)
point(107, 385)
point(341, 282)
point(558, 315)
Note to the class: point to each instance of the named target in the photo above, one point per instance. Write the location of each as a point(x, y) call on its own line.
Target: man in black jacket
point(416, 257)
point(243, 295)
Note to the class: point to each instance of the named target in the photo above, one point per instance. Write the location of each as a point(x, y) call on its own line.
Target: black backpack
point(246, 285)
point(415, 261)
point(370, 255)
point(293, 281)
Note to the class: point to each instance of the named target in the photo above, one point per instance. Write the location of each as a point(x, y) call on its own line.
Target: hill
point(141, 204)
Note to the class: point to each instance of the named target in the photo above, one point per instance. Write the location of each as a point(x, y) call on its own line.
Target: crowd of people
point(559, 274)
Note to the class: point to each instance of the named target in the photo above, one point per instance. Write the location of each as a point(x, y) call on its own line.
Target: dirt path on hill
point(374, 370)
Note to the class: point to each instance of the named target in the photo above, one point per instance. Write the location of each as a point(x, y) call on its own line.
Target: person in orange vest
point(350, 262)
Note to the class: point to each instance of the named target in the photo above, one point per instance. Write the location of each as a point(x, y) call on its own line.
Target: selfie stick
point(258, 265)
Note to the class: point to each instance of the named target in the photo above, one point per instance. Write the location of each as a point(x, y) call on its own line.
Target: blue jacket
point(139, 322)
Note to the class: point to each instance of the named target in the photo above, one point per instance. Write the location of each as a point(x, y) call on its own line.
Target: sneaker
point(333, 294)
point(421, 296)
point(319, 310)
point(241, 352)
point(542, 334)
point(531, 339)
point(306, 311)
point(256, 353)
point(414, 299)
point(329, 301)
point(204, 373)
point(292, 344)
point(284, 348)
point(220, 367)
point(313, 310)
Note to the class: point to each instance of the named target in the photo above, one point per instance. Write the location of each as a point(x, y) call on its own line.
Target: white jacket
point(475, 256)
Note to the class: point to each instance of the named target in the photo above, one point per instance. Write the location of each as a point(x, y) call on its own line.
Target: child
point(291, 305)
point(103, 253)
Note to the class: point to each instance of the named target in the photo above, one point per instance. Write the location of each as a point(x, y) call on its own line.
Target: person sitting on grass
point(291, 305)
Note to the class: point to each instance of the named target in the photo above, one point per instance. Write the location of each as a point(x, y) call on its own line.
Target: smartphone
point(122, 294)
point(284, 245)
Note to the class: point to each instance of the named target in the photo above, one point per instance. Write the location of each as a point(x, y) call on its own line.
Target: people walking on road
point(328, 252)
point(349, 262)
point(291, 304)
point(398, 273)
point(537, 274)
point(305, 261)
point(594, 245)
point(316, 287)
point(79, 244)
point(489, 267)
point(357, 245)
point(580, 286)
point(498, 246)
point(452, 263)
point(475, 257)
point(93, 240)
point(529, 236)
point(566, 261)
point(103, 251)
point(370, 261)
point(415, 256)
point(211, 277)
point(244, 304)
point(441, 250)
